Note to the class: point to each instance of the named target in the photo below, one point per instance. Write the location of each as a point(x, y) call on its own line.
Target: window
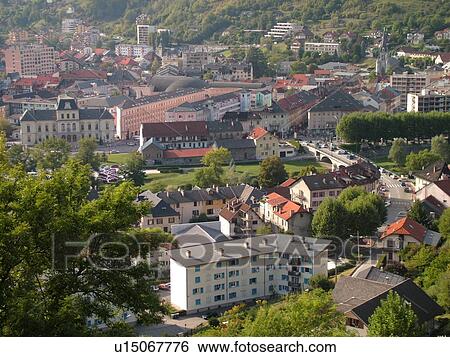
point(252, 281)
point(232, 295)
point(219, 265)
point(197, 279)
point(233, 284)
point(306, 281)
point(195, 213)
point(254, 258)
point(219, 298)
point(171, 219)
point(159, 221)
point(284, 277)
point(195, 203)
point(233, 273)
point(209, 203)
point(219, 287)
point(255, 270)
point(390, 243)
point(218, 276)
point(198, 302)
point(209, 211)
point(233, 262)
point(197, 268)
point(270, 277)
point(254, 291)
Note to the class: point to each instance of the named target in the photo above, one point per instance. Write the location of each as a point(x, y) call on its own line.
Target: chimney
point(188, 253)
point(247, 245)
point(222, 252)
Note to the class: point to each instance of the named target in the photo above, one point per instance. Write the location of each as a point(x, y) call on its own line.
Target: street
point(400, 200)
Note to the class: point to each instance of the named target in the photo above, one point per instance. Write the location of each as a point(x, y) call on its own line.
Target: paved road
point(400, 200)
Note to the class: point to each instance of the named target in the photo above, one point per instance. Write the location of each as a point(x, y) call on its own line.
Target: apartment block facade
point(30, 60)
point(323, 47)
point(408, 83)
point(428, 101)
point(211, 276)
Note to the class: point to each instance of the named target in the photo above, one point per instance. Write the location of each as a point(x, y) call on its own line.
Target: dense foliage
point(271, 172)
point(375, 126)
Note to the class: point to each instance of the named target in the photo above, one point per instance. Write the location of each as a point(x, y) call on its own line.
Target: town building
point(130, 50)
point(285, 215)
point(210, 276)
point(16, 37)
point(240, 149)
point(296, 106)
point(286, 29)
point(30, 60)
point(323, 47)
point(428, 101)
point(230, 71)
point(310, 191)
point(405, 232)
point(239, 219)
point(443, 34)
point(266, 143)
point(434, 172)
point(358, 296)
point(324, 116)
point(435, 197)
point(143, 34)
point(195, 60)
point(160, 215)
point(406, 83)
point(69, 25)
point(68, 122)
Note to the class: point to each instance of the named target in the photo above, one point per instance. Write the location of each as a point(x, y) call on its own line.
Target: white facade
point(428, 101)
point(132, 50)
point(323, 47)
point(210, 276)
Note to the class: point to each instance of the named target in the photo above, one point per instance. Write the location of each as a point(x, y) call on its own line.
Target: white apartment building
point(323, 47)
point(30, 60)
point(132, 50)
point(428, 101)
point(143, 34)
point(214, 275)
point(69, 25)
point(283, 29)
point(406, 83)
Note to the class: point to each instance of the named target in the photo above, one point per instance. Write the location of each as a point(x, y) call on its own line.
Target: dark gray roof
point(159, 207)
point(338, 101)
point(235, 144)
point(158, 97)
point(241, 116)
point(323, 182)
point(67, 104)
point(172, 83)
point(199, 233)
point(44, 115)
point(224, 126)
point(434, 171)
point(377, 275)
point(248, 247)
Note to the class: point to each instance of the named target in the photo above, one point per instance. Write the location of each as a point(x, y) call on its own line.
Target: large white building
point(143, 34)
point(132, 50)
point(323, 47)
point(283, 29)
point(428, 101)
point(223, 273)
point(68, 122)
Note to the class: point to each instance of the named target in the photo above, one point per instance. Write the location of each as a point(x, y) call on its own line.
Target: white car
point(401, 214)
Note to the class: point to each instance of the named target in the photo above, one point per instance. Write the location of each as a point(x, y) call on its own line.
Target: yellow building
point(266, 143)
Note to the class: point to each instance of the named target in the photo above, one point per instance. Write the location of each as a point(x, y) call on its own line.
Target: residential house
point(357, 297)
point(238, 219)
point(286, 215)
point(432, 173)
point(310, 191)
point(240, 149)
point(297, 105)
point(443, 34)
point(161, 215)
point(211, 276)
point(435, 197)
point(248, 120)
point(266, 143)
point(389, 100)
point(401, 233)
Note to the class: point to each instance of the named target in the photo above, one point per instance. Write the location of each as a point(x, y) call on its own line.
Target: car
point(387, 203)
point(341, 152)
point(395, 177)
point(131, 143)
point(210, 315)
point(403, 184)
point(401, 214)
point(351, 157)
point(165, 286)
point(407, 190)
point(114, 152)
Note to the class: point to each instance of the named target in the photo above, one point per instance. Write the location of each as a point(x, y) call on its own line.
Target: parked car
point(401, 214)
point(165, 286)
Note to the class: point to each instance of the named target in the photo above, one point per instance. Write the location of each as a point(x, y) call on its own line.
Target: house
point(358, 296)
point(274, 119)
point(191, 234)
point(161, 215)
point(211, 276)
point(240, 149)
point(286, 215)
point(66, 121)
point(192, 203)
point(442, 58)
point(443, 34)
point(435, 196)
point(297, 106)
point(325, 115)
point(310, 191)
point(389, 100)
point(434, 172)
point(415, 38)
point(266, 143)
point(404, 232)
point(248, 120)
point(239, 219)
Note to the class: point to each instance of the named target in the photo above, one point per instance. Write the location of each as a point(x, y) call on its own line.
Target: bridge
point(328, 156)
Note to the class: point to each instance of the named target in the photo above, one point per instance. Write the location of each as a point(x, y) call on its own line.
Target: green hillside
point(200, 20)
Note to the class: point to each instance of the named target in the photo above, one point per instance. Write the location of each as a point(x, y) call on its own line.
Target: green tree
point(394, 318)
point(420, 160)
point(213, 172)
point(321, 282)
point(272, 172)
point(441, 147)
point(418, 213)
point(444, 224)
point(5, 126)
point(134, 168)
point(397, 152)
point(330, 219)
point(51, 154)
point(86, 153)
point(259, 62)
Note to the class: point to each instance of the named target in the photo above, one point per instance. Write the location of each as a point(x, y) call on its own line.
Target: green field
point(118, 159)
point(158, 182)
point(387, 164)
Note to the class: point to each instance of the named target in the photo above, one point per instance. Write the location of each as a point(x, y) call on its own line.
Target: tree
point(86, 153)
point(311, 314)
point(272, 172)
point(259, 62)
point(51, 154)
point(5, 126)
point(17, 155)
point(321, 282)
point(417, 213)
point(394, 318)
point(133, 168)
point(212, 173)
point(397, 152)
point(155, 66)
point(444, 224)
point(441, 147)
point(263, 230)
point(330, 219)
point(420, 160)
point(66, 259)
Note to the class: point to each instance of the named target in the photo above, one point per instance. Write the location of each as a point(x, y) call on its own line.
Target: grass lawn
point(390, 165)
point(118, 159)
point(158, 182)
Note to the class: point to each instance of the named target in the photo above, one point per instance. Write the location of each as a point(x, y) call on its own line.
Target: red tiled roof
point(84, 74)
point(185, 153)
point(286, 208)
point(300, 79)
point(258, 133)
point(274, 199)
point(324, 72)
point(37, 81)
point(100, 51)
point(288, 182)
point(126, 61)
point(406, 226)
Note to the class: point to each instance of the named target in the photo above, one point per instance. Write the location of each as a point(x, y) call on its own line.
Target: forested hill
point(198, 20)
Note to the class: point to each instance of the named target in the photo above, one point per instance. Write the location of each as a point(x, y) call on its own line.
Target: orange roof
point(300, 79)
point(286, 208)
point(100, 51)
point(288, 182)
point(258, 132)
point(185, 153)
point(406, 226)
point(127, 61)
point(274, 199)
point(37, 81)
point(322, 71)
